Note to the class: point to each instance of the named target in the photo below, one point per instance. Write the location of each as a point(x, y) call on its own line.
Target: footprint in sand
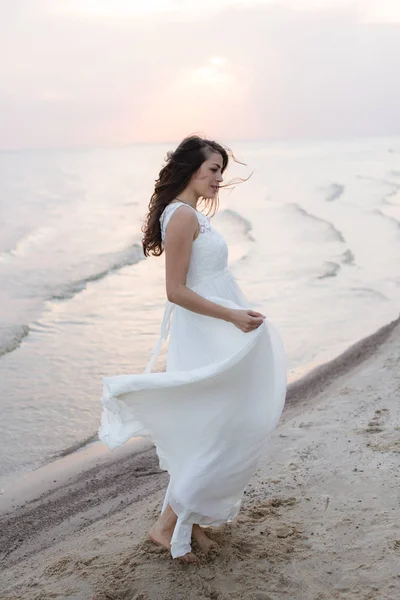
point(63, 566)
point(386, 446)
point(270, 538)
point(284, 531)
point(376, 425)
point(149, 547)
point(390, 440)
point(262, 510)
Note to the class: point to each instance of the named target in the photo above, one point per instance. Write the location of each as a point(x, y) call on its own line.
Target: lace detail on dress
point(204, 223)
point(204, 220)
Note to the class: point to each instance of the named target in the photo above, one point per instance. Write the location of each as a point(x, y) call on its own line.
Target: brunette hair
point(173, 178)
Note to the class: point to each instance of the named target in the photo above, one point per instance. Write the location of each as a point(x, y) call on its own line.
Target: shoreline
point(91, 454)
point(323, 375)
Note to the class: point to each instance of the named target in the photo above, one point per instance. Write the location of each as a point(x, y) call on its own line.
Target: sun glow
point(212, 73)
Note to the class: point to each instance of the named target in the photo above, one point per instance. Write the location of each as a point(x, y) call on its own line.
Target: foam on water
point(331, 269)
point(11, 337)
point(334, 191)
point(231, 216)
point(114, 261)
point(347, 257)
point(394, 221)
point(332, 232)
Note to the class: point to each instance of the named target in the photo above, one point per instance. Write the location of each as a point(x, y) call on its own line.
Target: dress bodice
point(209, 255)
point(208, 261)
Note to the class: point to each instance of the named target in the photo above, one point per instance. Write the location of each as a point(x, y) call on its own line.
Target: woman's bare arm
point(180, 233)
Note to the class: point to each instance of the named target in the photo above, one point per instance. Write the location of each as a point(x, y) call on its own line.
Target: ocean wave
point(388, 182)
point(11, 337)
point(335, 190)
point(336, 234)
point(388, 217)
point(395, 187)
point(371, 293)
point(116, 261)
point(347, 257)
point(77, 446)
point(33, 238)
point(232, 216)
point(394, 198)
point(331, 270)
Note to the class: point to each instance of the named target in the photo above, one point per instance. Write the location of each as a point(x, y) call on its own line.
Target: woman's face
point(209, 176)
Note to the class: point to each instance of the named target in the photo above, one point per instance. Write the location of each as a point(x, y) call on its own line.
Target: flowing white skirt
point(209, 414)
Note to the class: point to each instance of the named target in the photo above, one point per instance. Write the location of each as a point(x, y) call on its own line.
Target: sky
point(113, 72)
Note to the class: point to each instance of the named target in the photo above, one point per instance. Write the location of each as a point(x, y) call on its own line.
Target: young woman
point(210, 413)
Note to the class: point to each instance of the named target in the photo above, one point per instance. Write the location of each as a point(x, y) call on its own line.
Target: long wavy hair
point(173, 178)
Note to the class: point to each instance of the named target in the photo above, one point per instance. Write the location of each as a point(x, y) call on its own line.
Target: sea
point(314, 241)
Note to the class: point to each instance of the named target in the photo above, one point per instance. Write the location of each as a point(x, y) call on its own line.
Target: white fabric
point(209, 414)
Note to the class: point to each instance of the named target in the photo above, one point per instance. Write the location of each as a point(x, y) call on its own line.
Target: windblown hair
point(173, 178)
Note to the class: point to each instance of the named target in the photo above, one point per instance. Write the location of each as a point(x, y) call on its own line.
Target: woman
point(210, 413)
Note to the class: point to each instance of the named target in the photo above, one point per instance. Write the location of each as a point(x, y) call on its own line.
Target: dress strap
point(169, 211)
point(165, 328)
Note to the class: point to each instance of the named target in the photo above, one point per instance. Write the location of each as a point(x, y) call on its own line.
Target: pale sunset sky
point(114, 72)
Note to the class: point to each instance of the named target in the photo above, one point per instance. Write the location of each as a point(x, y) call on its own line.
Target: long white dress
point(211, 412)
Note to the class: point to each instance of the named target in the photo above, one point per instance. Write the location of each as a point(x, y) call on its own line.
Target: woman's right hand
point(246, 320)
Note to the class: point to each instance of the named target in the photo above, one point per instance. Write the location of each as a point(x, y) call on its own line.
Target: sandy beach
point(320, 519)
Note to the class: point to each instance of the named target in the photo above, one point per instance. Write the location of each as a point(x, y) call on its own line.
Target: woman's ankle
point(167, 520)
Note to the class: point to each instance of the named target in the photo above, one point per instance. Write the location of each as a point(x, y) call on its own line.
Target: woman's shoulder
point(172, 206)
point(169, 210)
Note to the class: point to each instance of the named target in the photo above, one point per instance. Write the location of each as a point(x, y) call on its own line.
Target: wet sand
point(320, 519)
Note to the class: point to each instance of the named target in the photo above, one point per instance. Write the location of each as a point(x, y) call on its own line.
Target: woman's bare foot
point(162, 530)
point(205, 543)
point(189, 558)
point(163, 538)
point(161, 534)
